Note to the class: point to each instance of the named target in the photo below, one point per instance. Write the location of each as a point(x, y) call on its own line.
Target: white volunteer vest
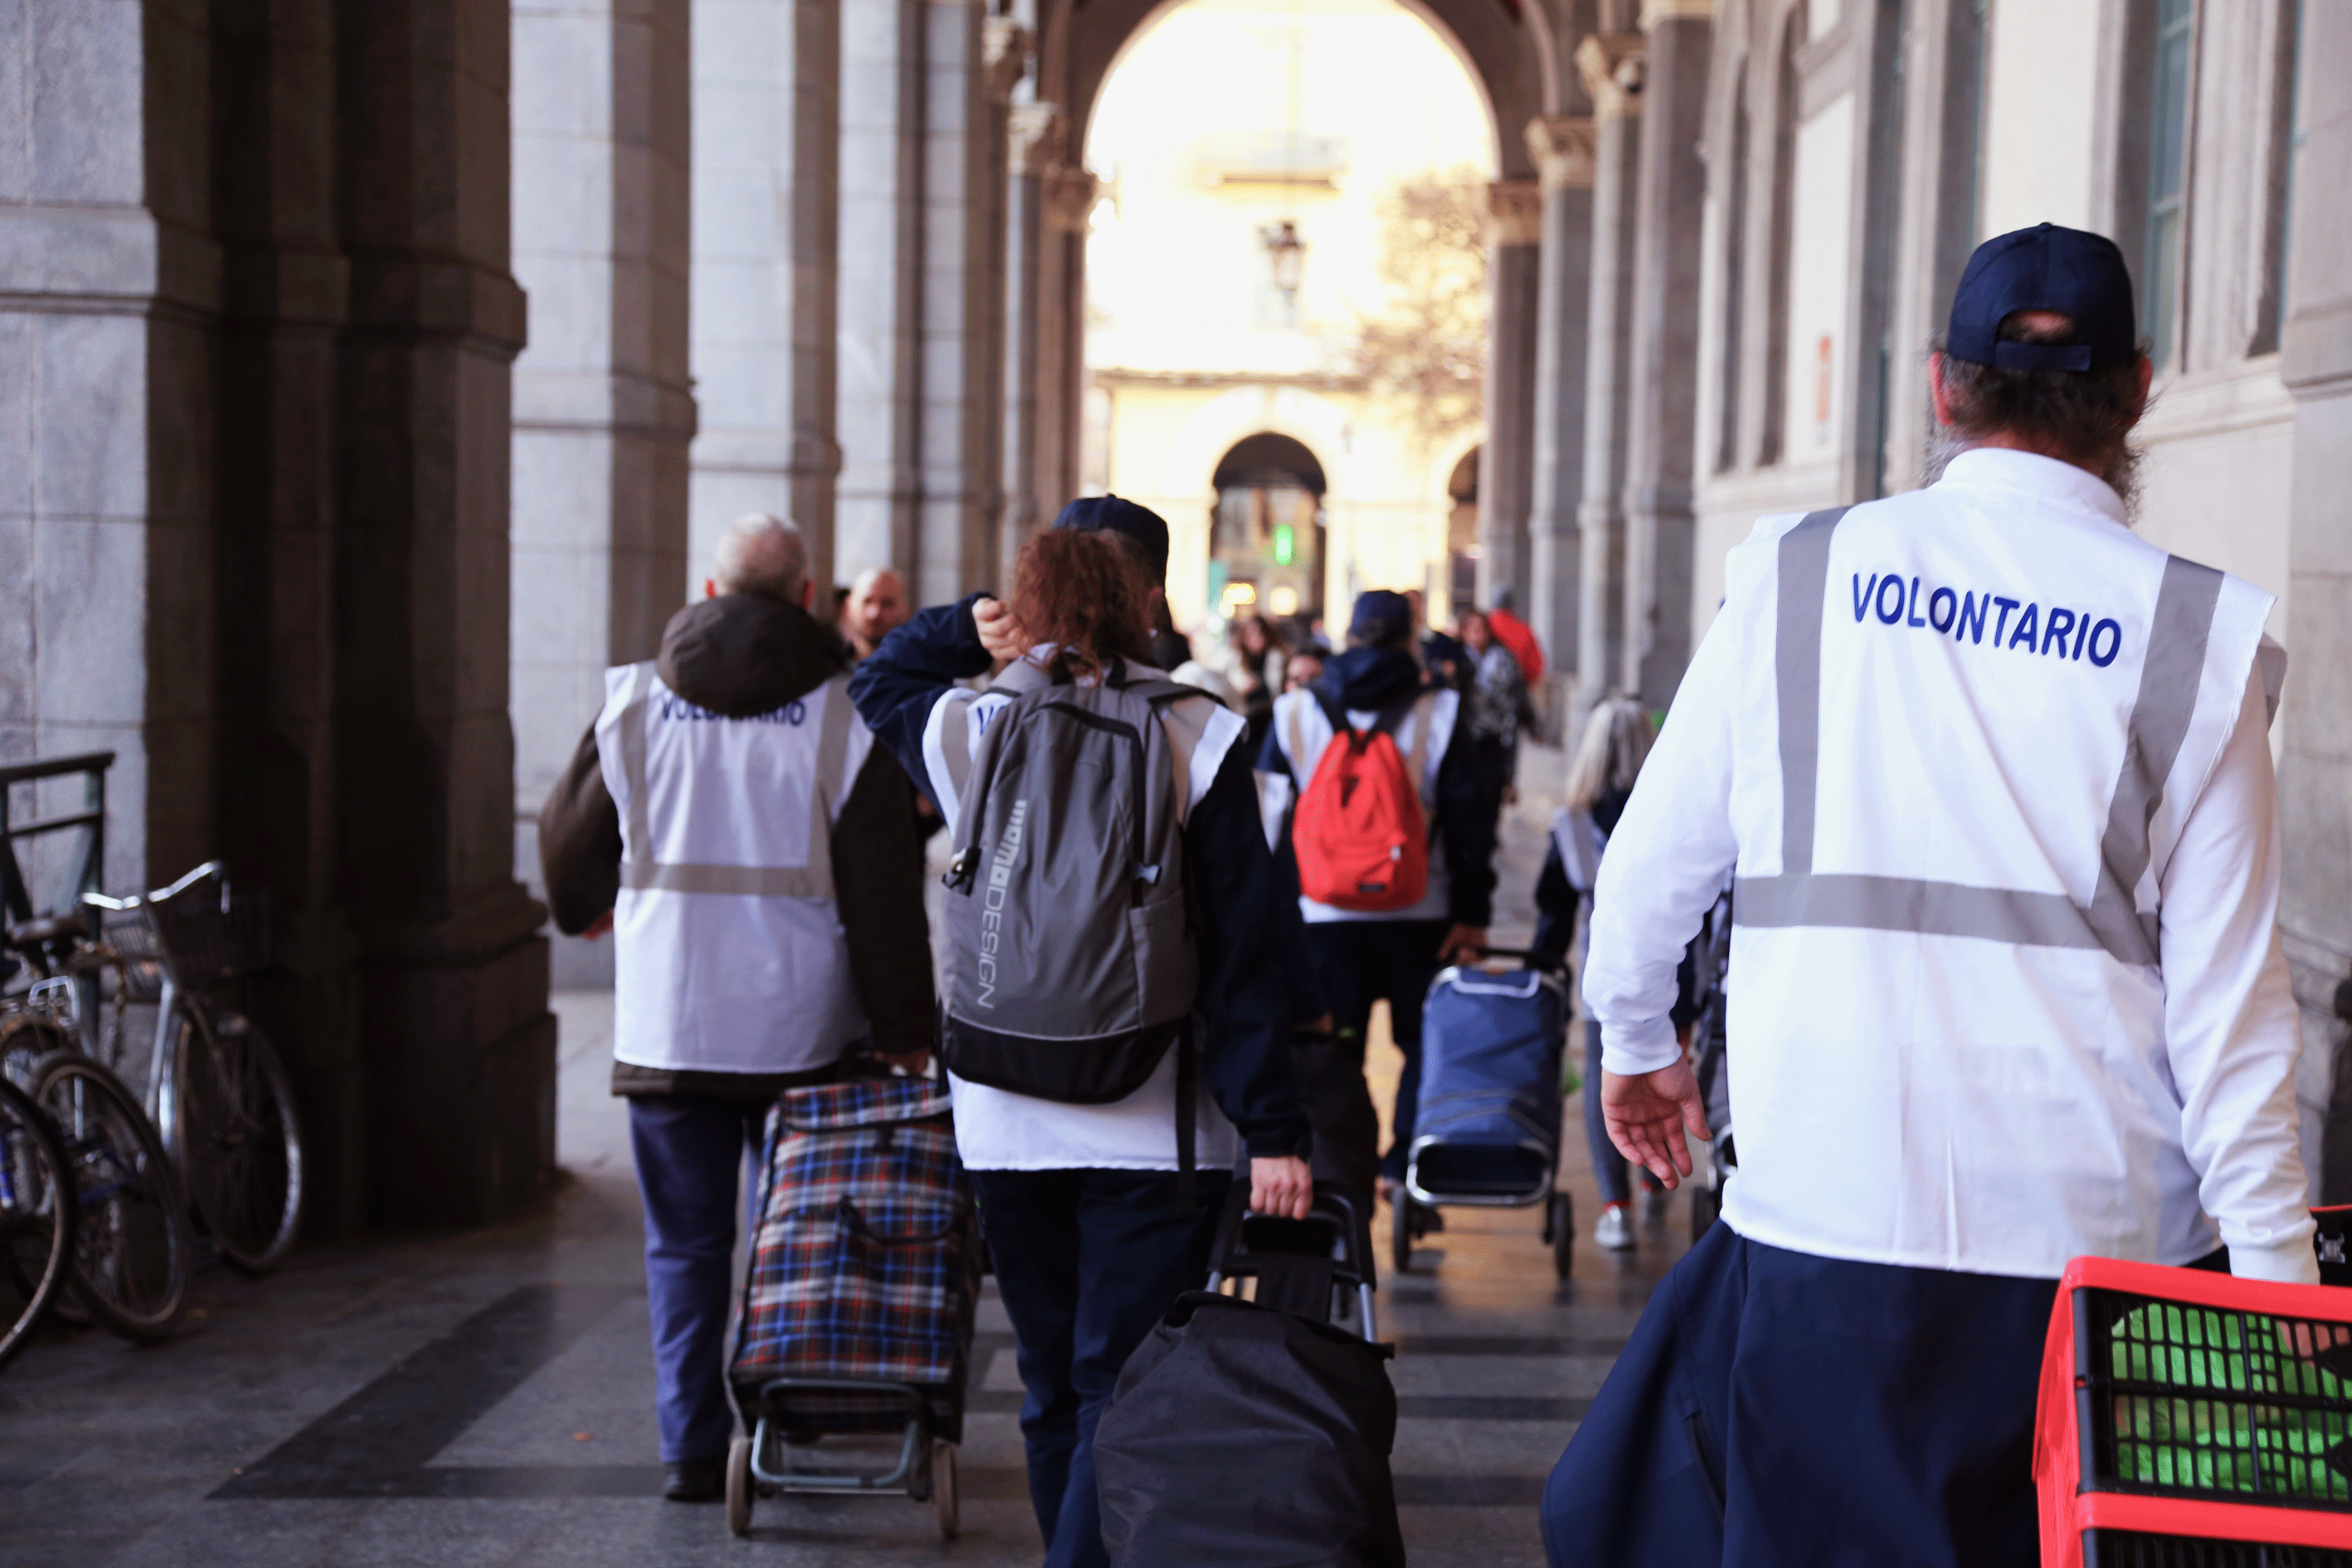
point(1963, 750)
point(730, 956)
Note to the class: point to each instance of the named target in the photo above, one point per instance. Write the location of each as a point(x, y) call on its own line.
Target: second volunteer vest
point(729, 955)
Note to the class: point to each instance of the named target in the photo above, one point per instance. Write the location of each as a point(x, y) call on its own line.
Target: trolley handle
point(1527, 955)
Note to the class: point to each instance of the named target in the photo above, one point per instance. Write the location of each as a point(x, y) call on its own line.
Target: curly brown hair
point(1081, 592)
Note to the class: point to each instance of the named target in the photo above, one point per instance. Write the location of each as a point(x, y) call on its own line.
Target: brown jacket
point(740, 654)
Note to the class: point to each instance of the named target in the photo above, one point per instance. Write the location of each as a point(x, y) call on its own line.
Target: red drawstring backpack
point(1520, 639)
point(1359, 836)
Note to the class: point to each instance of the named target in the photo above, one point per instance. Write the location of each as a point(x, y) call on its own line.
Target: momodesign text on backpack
point(1249, 1437)
point(1360, 837)
point(1071, 965)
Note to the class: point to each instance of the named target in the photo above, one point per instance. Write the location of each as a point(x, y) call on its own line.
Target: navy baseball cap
point(1119, 515)
point(2045, 268)
point(1382, 620)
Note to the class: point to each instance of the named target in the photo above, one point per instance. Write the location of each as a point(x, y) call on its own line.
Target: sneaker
point(1612, 1232)
point(694, 1481)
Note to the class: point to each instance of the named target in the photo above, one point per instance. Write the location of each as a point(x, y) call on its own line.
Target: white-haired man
point(729, 818)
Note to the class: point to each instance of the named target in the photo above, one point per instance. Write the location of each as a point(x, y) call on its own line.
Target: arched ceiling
point(1500, 43)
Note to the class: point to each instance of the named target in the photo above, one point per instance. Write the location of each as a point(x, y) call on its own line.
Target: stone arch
point(1502, 49)
point(1187, 489)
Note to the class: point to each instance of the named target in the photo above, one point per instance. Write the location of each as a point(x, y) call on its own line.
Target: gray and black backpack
point(1071, 965)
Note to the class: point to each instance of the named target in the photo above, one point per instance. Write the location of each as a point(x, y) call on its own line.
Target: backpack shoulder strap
point(1422, 706)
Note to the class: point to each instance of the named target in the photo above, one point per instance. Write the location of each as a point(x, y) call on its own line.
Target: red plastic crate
point(2180, 1425)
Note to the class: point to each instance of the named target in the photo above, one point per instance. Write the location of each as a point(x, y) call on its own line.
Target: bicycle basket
point(204, 934)
point(2190, 1418)
point(133, 937)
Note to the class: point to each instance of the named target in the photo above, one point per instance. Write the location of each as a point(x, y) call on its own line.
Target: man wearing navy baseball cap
point(1992, 776)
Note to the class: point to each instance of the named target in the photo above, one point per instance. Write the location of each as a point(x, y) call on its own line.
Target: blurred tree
point(1429, 348)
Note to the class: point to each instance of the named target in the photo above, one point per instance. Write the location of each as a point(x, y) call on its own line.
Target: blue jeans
point(1363, 961)
point(689, 1151)
point(1087, 1262)
point(1608, 1165)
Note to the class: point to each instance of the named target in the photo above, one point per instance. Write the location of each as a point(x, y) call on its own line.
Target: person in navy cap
point(1992, 775)
point(1363, 957)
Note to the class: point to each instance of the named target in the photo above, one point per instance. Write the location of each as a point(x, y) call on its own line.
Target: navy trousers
point(1774, 1408)
point(1087, 1262)
point(690, 1154)
point(1363, 961)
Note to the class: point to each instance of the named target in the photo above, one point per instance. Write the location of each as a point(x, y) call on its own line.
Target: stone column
point(110, 292)
point(1036, 139)
point(767, 172)
point(971, 64)
point(287, 298)
point(1513, 232)
point(458, 1041)
point(1612, 66)
point(1662, 410)
point(603, 414)
point(1564, 151)
point(2315, 770)
point(1062, 336)
point(880, 404)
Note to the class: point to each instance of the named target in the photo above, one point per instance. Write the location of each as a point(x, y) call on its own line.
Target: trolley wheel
point(946, 1495)
point(1401, 1233)
point(1560, 1228)
point(739, 1486)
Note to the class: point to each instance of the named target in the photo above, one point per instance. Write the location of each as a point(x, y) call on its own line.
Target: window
point(2286, 148)
point(1735, 281)
point(2167, 175)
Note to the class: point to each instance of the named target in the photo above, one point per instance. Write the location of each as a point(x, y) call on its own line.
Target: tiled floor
point(487, 1398)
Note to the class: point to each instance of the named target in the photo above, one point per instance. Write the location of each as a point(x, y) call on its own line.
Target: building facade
point(383, 369)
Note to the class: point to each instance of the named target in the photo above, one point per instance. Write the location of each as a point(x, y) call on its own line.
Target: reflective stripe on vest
point(813, 880)
point(2170, 676)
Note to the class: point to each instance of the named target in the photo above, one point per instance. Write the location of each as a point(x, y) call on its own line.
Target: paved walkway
point(488, 1397)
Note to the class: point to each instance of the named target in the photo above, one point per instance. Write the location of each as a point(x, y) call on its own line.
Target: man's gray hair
point(761, 554)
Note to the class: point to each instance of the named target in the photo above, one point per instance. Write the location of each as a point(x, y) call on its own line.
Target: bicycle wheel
point(37, 1218)
point(240, 1145)
point(134, 1248)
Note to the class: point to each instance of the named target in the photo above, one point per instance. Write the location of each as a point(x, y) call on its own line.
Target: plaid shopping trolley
point(2192, 1420)
point(858, 1304)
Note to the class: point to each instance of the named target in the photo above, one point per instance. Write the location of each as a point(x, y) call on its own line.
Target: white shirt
point(2008, 993)
point(1302, 729)
point(997, 1129)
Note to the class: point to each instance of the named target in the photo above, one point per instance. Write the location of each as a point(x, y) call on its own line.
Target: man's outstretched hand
point(1648, 1116)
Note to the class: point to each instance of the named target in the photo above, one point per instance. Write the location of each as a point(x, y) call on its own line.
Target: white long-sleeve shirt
point(1993, 776)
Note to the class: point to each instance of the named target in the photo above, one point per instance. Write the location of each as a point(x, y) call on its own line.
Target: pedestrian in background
point(1082, 1202)
point(731, 821)
point(1499, 708)
point(876, 606)
point(1617, 740)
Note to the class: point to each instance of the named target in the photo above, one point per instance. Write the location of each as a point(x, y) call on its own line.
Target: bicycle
point(134, 1256)
point(38, 1220)
point(216, 1090)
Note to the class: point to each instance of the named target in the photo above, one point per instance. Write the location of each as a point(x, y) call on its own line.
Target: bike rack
point(14, 895)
